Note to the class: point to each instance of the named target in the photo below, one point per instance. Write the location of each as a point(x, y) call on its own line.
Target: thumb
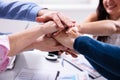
point(41, 19)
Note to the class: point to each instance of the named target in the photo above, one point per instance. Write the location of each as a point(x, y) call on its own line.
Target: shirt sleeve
point(105, 55)
point(4, 49)
point(19, 10)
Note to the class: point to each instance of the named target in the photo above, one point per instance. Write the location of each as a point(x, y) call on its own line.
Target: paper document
point(35, 74)
point(82, 64)
point(74, 76)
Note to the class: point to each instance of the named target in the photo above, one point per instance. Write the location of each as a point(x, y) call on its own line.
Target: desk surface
point(36, 59)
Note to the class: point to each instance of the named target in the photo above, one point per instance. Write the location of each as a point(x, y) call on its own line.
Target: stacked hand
point(60, 19)
point(67, 38)
point(56, 23)
point(63, 41)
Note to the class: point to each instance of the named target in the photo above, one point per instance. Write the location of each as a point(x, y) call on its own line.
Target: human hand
point(44, 43)
point(75, 29)
point(68, 51)
point(49, 27)
point(72, 52)
point(60, 19)
point(67, 39)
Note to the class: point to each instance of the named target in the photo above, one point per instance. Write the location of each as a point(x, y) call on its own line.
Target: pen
point(58, 72)
point(62, 62)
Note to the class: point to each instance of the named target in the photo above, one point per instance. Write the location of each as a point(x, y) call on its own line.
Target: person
point(102, 56)
point(30, 11)
point(31, 38)
point(107, 10)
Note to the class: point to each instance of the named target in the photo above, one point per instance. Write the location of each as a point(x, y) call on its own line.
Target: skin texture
point(31, 37)
point(67, 40)
point(59, 18)
point(98, 28)
point(44, 43)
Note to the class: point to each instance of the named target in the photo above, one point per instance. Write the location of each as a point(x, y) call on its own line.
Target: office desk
point(36, 59)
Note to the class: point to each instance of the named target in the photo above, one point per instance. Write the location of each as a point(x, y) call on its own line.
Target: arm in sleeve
point(19, 10)
point(4, 49)
point(105, 55)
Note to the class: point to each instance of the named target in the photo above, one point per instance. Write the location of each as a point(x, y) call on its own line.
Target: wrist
point(78, 28)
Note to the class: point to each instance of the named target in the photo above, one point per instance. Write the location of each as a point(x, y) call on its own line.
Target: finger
point(66, 52)
point(53, 17)
point(56, 33)
point(66, 20)
point(71, 33)
point(57, 20)
point(68, 30)
point(60, 52)
point(58, 48)
point(49, 35)
point(42, 19)
point(72, 53)
point(73, 21)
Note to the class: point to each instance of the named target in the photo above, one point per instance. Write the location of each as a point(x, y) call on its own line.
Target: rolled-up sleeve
point(19, 10)
point(4, 49)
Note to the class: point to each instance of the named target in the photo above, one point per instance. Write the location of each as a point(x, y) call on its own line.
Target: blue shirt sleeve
point(104, 55)
point(19, 10)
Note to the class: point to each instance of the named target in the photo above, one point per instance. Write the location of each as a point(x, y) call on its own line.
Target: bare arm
point(104, 27)
point(23, 39)
point(44, 43)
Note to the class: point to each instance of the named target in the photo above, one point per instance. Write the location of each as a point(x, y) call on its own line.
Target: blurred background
point(77, 10)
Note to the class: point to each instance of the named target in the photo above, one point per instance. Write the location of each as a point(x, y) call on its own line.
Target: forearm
point(22, 39)
point(29, 47)
point(33, 44)
point(105, 55)
point(19, 10)
point(105, 27)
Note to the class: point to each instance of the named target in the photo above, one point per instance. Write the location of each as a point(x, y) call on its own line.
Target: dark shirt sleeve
point(19, 10)
point(104, 55)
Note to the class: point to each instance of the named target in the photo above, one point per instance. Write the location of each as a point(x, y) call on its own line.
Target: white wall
point(12, 25)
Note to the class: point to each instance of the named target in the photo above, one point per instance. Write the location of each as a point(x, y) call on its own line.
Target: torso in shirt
point(114, 39)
